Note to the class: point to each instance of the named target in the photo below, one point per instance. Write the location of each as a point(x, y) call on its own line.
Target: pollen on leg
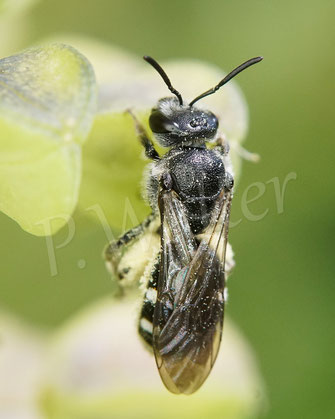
point(151, 295)
point(146, 325)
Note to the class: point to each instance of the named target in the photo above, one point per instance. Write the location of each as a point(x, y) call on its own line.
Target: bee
point(183, 243)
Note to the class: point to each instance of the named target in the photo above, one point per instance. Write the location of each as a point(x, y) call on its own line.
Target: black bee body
point(198, 177)
point(189, 189)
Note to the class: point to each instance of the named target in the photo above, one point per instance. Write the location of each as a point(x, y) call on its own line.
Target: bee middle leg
point(126, 257)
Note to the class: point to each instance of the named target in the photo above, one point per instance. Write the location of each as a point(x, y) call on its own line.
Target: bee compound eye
point(158, 122)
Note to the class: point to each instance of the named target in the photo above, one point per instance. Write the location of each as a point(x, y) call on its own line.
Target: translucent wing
point(188, 316)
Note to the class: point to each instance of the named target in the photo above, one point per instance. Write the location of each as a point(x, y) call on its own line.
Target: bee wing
point(188, 315)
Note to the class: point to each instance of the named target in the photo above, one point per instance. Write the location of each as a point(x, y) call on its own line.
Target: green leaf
point(47, 104)
point(113, 166)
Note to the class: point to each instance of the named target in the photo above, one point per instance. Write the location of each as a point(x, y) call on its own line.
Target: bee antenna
point(228, 77)
point(164, 76)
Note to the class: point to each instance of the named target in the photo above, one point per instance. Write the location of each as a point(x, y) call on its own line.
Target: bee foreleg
point(223, 146)
point(222, 149)
point(148, 145)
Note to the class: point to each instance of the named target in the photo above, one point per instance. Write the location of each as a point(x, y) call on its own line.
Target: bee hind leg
point(145, 325)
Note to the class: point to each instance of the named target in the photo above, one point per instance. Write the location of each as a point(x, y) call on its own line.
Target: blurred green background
point(282, 290)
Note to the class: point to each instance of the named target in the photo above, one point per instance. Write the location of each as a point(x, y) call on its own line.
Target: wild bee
point(190, 190)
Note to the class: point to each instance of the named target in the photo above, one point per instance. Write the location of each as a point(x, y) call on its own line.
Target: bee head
point(177, 124)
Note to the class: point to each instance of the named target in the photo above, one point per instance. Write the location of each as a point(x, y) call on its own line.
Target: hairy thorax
point(198, 178)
